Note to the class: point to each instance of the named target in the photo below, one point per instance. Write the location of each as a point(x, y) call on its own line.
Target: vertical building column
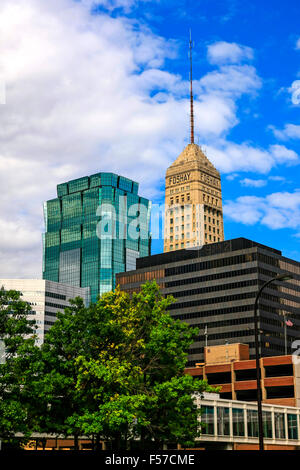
point(296, 373)
point(204, 372)
point(233, 392)
point(263, 374)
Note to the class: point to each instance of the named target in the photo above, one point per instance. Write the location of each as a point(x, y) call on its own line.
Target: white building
point(46, 299)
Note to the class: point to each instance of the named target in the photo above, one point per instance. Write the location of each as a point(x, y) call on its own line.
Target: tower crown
point(193, 157)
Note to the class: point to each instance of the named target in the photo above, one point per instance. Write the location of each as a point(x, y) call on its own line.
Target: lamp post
point(279, 277)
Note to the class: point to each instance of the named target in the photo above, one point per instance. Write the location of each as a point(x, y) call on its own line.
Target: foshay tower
point(193, 197)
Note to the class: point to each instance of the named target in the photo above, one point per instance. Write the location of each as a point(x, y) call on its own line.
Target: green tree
point(114, 370)
point(18, 350)
point(136, 382)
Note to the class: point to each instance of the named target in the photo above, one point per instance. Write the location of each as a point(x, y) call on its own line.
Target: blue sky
point(271, 30)
point(103, 86)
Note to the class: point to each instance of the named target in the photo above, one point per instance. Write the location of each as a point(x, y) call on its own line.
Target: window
point(279, 426)
point(223, 421)
point(207, 418)
point(252, 422)
point(238, 421)
point(267, 423)
point(292, 426)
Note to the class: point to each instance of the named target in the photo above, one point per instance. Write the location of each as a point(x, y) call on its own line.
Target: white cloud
point(88, 93)
point(281, 179)
point(232, 80)
point(253, 183)
point(295, 92)
point(276, 211)
point(222, 52)
point(298, 44)
point(231, 157)
point(290, 131)
point(232, 176)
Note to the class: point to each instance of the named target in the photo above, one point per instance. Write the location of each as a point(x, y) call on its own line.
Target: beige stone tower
point(193, 198)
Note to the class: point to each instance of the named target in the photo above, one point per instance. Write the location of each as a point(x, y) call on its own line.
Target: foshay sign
point(182, 178)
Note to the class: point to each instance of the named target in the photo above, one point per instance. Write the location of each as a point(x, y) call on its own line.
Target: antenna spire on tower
point(191, 89)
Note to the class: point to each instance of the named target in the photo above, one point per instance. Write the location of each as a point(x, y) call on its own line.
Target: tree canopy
point(113, 370)
point(18, 349)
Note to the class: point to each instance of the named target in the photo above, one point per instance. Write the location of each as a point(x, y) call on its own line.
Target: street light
point(279, 277)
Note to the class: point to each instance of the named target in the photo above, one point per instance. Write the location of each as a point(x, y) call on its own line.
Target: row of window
point(55, 296)
point(50, 314)
point(212, 211)
point(213, 300)
point(48, 322)
point(217, 324)
point(242, 421)
point(216, 288)
point(211, 264)
point(211, 277)
point(50, 304)
point(214, 312)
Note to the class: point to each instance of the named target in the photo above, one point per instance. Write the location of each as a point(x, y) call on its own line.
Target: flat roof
point(198, 252)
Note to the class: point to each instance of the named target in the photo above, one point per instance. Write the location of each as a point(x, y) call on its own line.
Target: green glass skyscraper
point(96, 227)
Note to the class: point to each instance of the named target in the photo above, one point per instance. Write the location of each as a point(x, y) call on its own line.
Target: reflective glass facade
point(96, 227)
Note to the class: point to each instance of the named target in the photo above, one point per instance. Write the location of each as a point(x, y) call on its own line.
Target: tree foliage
point(17, 338)
point(115, 370)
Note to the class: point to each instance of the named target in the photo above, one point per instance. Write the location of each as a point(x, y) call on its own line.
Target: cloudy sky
point(88, 86)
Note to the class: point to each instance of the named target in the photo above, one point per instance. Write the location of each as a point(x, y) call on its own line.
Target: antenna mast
point(191, 89)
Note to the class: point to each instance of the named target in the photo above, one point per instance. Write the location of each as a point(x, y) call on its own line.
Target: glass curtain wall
point(95, 228)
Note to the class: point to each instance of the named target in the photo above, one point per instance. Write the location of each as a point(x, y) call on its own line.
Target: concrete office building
point(46, 299)
point(215, 288)
point(230, 368)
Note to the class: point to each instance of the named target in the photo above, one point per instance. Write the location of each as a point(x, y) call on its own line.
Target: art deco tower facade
point(193, 197)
